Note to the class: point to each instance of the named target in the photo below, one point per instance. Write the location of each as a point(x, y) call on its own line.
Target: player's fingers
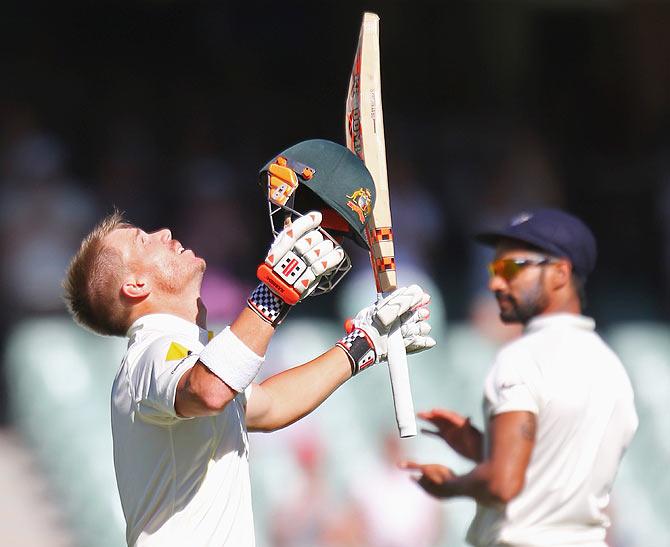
point(415, 315)
point(420, 328)
point(432, 417)
point(425, 300)
point(415, 336)
point(430, 432)
point(318, 252)
point(286, 239)
point(417, 344)
point(445, 413)
point(442, 415)
point(308, 241)
point(306, 223)
point(305, 281)
point(424, 343)
point(416, 470)
point(325, 256)
point(400, 301)
point(328, 262)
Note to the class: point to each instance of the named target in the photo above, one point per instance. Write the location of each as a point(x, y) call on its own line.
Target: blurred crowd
point(221, 213)
point(203, 196)
point(379, 506)
point(547, 107)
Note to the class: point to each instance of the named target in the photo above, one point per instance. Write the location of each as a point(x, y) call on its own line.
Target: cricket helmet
point(323, 176)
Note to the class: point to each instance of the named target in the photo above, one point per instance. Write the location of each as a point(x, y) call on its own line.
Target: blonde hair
point(92, 279)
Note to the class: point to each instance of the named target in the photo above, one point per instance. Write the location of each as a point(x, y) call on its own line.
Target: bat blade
point(364, 130)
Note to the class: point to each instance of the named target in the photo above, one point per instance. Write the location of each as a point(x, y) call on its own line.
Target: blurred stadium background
point(166, 109)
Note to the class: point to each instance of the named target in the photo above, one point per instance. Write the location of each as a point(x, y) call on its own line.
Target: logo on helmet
point(521, 218)
point(360, 201)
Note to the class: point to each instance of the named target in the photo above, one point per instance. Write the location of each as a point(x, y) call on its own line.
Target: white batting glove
point(298, 257)
point(367, 340)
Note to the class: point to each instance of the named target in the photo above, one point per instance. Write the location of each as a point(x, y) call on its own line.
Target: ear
point(561, 274)
point(136, 290)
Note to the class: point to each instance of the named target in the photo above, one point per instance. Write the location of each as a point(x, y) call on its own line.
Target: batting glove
point(299, 255)
point(366, 342)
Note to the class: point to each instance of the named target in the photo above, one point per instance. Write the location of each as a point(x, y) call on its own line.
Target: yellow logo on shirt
point(176, 352)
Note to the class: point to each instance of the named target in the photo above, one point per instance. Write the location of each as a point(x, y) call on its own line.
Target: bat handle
point(402, 393)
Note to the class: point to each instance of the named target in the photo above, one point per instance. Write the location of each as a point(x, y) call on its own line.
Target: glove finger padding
point(391, 308)
point(417, 344)
point(305, 282)
point(415, 315)
point(331, 260)
point(308, 241)
point(415, 329)
point(415, 336)
point(318, 251)
point(287, 238)
point(321, 258)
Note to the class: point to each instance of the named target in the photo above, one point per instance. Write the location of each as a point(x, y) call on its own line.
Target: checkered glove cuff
point(360, 349)
point(268, 305)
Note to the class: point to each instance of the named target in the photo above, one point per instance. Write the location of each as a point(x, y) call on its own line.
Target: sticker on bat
point(354, 118)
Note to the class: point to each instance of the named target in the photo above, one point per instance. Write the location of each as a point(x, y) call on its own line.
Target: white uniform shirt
point(564, 373)
point(182, 482)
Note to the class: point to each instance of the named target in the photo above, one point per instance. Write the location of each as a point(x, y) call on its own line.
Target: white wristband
point(231, 360)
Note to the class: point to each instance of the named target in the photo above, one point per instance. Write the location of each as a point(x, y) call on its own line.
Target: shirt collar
point(167, 323)
point(560, 319)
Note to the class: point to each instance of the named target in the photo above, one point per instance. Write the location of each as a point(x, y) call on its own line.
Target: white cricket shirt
point(182, 482)
point(563, 372)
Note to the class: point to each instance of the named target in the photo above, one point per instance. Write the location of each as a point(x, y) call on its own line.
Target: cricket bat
point(364, 128)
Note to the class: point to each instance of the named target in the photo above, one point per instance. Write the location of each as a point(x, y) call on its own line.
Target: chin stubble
point(532, 304)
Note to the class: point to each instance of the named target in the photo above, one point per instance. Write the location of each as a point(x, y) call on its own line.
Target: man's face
point(159, 258)
point(519, 283)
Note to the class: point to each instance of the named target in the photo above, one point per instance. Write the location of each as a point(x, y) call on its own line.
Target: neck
point(191, 309)
point(564, 304)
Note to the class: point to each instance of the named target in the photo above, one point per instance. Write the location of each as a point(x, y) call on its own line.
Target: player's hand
point(298, 257)
point(366, 341)
point(432, 477)
point(455, 430)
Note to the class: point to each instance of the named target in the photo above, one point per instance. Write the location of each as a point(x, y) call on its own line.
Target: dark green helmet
point(324, 176)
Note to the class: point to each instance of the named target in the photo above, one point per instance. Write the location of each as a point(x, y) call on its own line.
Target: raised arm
point(500, 476)
point(288, 396)
point(231, 360)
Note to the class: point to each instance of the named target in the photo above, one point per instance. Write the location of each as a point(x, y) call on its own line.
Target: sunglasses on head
point(508, 268)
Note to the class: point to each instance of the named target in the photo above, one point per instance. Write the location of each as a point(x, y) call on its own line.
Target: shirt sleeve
point(511, 384)
point(156, 377)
